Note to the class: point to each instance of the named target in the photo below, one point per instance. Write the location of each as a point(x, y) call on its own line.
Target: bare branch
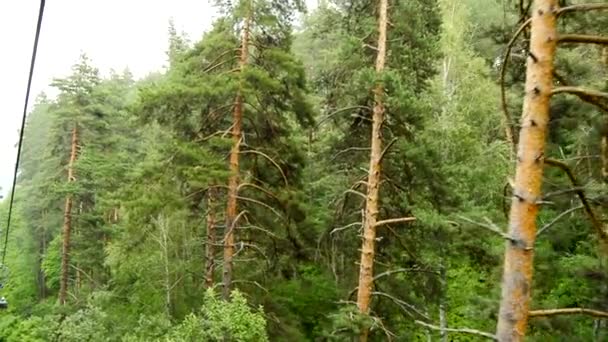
point(345, 227)
point(489, 226)
point(557, 218)
point(271, 234)
point(261, 204)
point(403, 305)
point(580, 92)
point(568, 311)
point(388, 146)
point(461, 330)
point(351, 191)
point(582, 38)
point(582, 8)
point(330, 115)
point(348, 150)
point(603, 235)
point(395, 220)
point(267, 192)
point(509, 129)
point(562, 192)
point(586, 97)
point(271, 160)
point(251, 282)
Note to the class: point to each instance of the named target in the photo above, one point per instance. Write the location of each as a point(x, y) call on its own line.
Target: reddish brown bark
point(233, 183)
point(67, 222)
point(518, 263)
point(211, 239)
point(366, 271)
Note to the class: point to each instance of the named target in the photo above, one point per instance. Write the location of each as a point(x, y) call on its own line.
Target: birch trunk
point(366, 271)
point(67, 222)
point(233, 183)
point(518, 264)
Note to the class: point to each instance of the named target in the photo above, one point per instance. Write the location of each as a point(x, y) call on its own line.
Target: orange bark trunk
point(366, 271)
point(210, 246)
point(233, 183)
point(67, 222)
point(518, 263)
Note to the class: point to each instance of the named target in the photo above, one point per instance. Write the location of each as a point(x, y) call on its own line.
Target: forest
point(367, 170)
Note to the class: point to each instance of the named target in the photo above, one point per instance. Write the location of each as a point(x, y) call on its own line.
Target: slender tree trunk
point(67, 222)
point(164, 245)
point(443, 319)
point(211, 239)
point(233, 184)
point(518, 264)
point(366, 271)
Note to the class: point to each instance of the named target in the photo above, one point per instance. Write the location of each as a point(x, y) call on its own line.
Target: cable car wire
point(21, 132)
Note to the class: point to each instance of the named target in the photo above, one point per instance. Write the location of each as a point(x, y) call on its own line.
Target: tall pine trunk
point(518, 262)
point(67, 222)
point(211, 239)
point(233, 183)
point(366, 271)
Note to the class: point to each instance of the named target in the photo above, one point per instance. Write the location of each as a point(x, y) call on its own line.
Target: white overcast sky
point(114, 33)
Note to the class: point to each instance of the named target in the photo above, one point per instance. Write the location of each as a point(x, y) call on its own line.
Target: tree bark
point(211, 237)
point(67, 222)
point(518, 264)
point(366, 272)
point(233, 183)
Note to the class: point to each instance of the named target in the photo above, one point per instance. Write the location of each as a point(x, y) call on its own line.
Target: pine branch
point(582, 38)
point(568, 311)
point(461, 330)
point(394, 220)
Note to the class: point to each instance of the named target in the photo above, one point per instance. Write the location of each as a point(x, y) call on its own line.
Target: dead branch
point(562, 192)
point(217, 65)
point(261, 204)
point(568, 311)
point(348, 150)
point(461, 330)
point(351, 191)
point(586, 97)
point(231, 228)
point(345, 227)
point(394, 220)
point(557, 218)
point(509, 129)
point(265, 191)
point(580, 92)
point(581, 8)
point(216, 59)
point(489, 226)
point(403, 270)
point(406, 307)
point(251, 282)
point(388, 146)
point(330, 115)
point(603, 235)
point(269, 159)
point(271, 234)
point(582, 38)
